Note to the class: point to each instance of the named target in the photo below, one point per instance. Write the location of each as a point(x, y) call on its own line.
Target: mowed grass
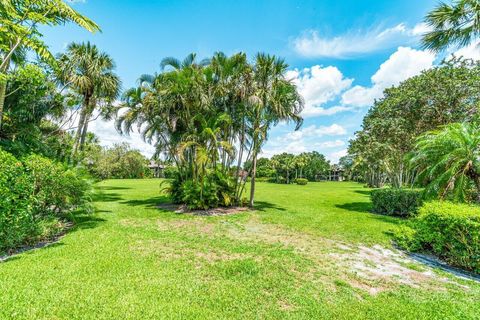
point(298, 256)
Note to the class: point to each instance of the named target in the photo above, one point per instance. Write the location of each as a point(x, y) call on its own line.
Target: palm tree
point(456, 24)
point(275, 99)
point(19, 21)
point(449, 160)
point(89, 73)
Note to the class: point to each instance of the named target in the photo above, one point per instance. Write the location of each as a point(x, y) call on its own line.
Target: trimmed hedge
point(450, 231)
point(396, 201)
point(301, 181)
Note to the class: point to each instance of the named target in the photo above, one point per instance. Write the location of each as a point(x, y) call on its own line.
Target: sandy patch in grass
point(372, 269)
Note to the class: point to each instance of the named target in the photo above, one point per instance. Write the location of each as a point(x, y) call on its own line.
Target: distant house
point(157, 169)
point(336, 174)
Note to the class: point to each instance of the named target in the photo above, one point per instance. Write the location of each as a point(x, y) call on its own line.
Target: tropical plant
point(455, 24)
point(90, 74)
point(196, 112)
point(19, 22)
point(448, 160)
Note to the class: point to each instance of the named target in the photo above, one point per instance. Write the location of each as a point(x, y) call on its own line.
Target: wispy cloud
point(356, 42)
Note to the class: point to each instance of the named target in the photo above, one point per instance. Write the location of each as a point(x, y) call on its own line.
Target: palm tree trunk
point(252, 183)
point(84, 132)
point(81, 124)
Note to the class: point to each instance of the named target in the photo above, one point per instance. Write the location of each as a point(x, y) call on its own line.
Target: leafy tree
point(117, 162)
point(453, 24)
point(442, 95)
point(19, 22)
point(448, 159)
point(89, 73)
point(316, 166)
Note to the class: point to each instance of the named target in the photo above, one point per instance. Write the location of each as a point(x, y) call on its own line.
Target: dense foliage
point(447, 161)
point(195, 112)
point(451, 231)
point(117, 162)
point(37, 193)
point(446, 94)
point(396, 201)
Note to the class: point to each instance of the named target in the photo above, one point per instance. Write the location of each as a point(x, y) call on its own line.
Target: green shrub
point(170, 172)
point(214, 190)
point(450, 231)
point(17, 222)
point(34, 193)
point(56, 188)
point(396, 201)
point(301, 181)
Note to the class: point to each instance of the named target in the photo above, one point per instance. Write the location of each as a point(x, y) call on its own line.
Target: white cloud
point(471, 51)
point(335, 156)
point(319, 85)
point(305, 140)
point(353, 43)
point(403, 64)
point(109, 136)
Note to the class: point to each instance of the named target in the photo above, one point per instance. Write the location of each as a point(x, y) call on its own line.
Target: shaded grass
point(133, 261)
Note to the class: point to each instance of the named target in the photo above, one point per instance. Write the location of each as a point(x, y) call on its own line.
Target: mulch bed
point(221, 211)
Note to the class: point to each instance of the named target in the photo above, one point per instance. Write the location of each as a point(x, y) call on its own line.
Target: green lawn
point(308, 252)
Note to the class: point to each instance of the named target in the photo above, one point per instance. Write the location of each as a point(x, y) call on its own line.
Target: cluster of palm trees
point(210, 116)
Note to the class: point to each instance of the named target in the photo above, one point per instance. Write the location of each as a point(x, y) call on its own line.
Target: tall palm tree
point(275, 99)
point(455, 24)
point(89, 73)
point(449, 160)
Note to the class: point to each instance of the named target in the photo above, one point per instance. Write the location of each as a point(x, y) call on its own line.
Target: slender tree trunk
point(252, 183)
point(3, 91)
point(84, 132)
point(81, 123)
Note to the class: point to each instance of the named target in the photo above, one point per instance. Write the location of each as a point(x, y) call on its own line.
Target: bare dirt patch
point(221, 211)
point(372, 269)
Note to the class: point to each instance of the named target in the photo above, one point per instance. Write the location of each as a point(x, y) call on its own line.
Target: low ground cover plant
point(449, 230)
point(396, 201)
point(37, 194)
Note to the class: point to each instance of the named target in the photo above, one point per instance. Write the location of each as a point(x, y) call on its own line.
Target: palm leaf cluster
point(456, 24)
point(210, 116)
point(448, 159)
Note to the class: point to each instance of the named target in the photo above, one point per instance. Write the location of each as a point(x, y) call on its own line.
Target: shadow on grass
point(356, 206)
point(108, 188)
point(148, 203)
point(365, 192)
point(101, 196)
point(264, 206)
point(86, 221)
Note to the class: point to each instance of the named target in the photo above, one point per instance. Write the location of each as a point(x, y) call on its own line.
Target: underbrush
point(37, 196)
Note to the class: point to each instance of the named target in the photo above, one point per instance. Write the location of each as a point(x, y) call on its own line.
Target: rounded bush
point(301, 181)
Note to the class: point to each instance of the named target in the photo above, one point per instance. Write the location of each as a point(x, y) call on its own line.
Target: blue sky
point(342, 54)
